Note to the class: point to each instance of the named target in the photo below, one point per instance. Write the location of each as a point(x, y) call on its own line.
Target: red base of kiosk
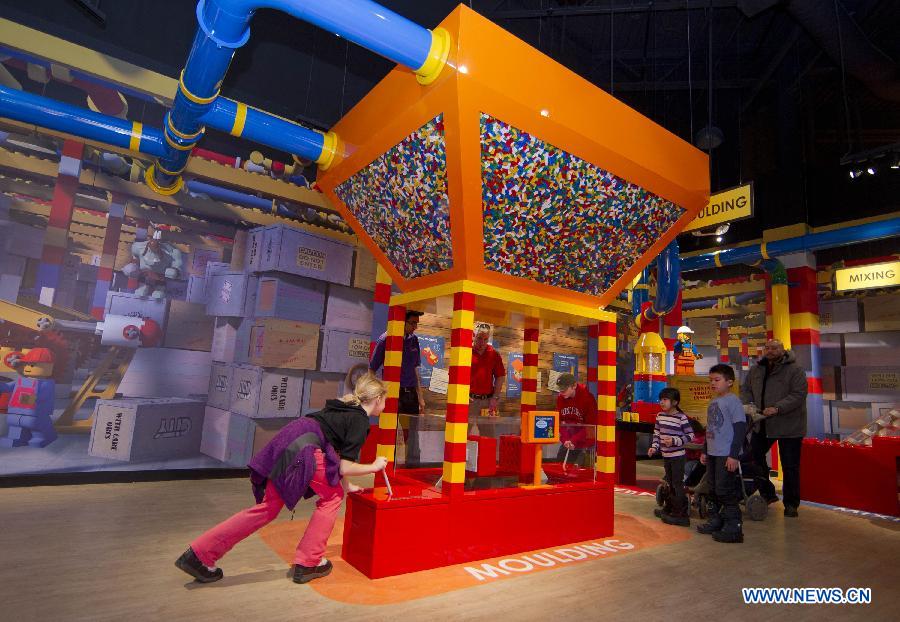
point(850, 476)
point(418, 528)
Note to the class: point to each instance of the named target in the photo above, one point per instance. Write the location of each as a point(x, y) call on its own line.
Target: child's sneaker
point(304, 574)
point(191, 564)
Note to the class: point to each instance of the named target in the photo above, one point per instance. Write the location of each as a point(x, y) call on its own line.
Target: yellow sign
point(867, 277)
point(726, 206)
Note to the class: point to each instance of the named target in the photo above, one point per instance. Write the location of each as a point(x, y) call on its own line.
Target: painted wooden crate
point(285, 249)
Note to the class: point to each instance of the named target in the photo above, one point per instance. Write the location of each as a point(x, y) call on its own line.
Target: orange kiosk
point(512, 190)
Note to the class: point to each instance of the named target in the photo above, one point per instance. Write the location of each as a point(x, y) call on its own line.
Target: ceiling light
point(870, 170)
point(463, 69)
point(718, 238)
point(855, 173)
point(545, 113)
point(895, 162)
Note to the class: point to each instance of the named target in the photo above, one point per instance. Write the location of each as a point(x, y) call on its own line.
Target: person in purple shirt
point(310, 456)
point(412, 398)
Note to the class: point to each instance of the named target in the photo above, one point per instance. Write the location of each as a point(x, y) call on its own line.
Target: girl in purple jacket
point(309, 456)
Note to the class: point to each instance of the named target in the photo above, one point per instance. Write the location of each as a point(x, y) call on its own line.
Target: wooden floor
point(106, 552)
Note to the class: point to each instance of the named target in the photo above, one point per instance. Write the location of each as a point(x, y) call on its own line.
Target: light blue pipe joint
point(210, 32)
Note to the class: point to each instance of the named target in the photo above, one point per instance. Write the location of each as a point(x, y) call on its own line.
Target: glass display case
point(495, 455)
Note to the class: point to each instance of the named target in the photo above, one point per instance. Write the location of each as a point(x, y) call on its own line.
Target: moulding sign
point(726, 206)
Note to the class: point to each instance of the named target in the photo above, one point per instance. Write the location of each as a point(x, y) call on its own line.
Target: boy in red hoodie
point(577, 409)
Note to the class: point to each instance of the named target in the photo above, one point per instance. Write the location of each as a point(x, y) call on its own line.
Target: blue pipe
point(265, 128)
point(668, 283)
point(739, 299)
point(54, 115)
point(224, 26)
point(809, 242)
point(363, 22)
point(230, 196)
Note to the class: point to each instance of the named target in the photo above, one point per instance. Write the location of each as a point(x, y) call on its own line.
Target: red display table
point(419, 528)
point(851, 476)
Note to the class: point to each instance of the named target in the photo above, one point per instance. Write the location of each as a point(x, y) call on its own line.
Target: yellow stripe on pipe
point(606, 433)
point(717, 261)
point(194, 98)
point(240, 118)
point(606, 464)
point(455, 472)
point(460, 357)
point(606, 344)
point(437, 57)
point(463, 319)
point(457, 394)
point(393, 358)
point(329, 151)
point(764, 251)
point(387, 421)
point(456, 432)
point(386, 451)
point(136, 130)
point(606, 373)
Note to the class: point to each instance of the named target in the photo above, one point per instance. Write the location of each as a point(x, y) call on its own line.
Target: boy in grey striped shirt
point(671, 432)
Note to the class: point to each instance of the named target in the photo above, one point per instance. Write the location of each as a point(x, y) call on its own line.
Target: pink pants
point(213, 544)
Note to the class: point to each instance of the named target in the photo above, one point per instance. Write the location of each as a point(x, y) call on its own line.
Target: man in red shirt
point(577, 410)
point(488, 374)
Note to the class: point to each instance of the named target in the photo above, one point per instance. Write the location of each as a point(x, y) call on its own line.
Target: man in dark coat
point(777, 387)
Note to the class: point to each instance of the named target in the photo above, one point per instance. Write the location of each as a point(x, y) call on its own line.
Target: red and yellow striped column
point(593, 333)
point(457, 431)
point(804, 306)
point(530, 365)
point(114, 219)
point(606, 401)
point(380, 305)
point(56, 238)
point(724, 337)
point(393, 358)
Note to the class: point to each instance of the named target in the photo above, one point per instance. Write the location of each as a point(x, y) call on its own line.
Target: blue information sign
point(432, 350)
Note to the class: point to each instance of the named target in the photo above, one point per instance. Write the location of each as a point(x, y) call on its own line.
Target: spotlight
point(855, 173)
point(895, 162)
point(718, 238)
point(870, 170)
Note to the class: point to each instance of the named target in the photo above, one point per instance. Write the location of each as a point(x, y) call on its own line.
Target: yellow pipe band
point(437, 57)
point(177, 146)
point(194, 98)
point(165, 191)
point(136, 130)
point(181, 135)
point(329, 150)
point(240, 117)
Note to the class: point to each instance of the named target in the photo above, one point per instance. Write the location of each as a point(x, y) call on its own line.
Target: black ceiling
point(787, 110)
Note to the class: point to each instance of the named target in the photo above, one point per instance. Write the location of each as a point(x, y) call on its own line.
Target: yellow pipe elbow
point(437, 57)
point(329, 150)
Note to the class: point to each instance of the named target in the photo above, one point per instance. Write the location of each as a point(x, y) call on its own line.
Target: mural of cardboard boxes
point(232, 294)
point(290, 298)
point(196, 289)
point(231, 340)
point(12, 269)
point(219, 393)
point(189, 327)
point(215, 268)
point(349, 309)
point(166, 371)
point(871, 349)
point(318, 387)
point(283, 343)
point(233, 438)
point(882, 312)
point(279, 248)
point(227, 436)
point(132, 305)
point(263, 393)
point(146, 429)
point(364, 269)
point(342, 349)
